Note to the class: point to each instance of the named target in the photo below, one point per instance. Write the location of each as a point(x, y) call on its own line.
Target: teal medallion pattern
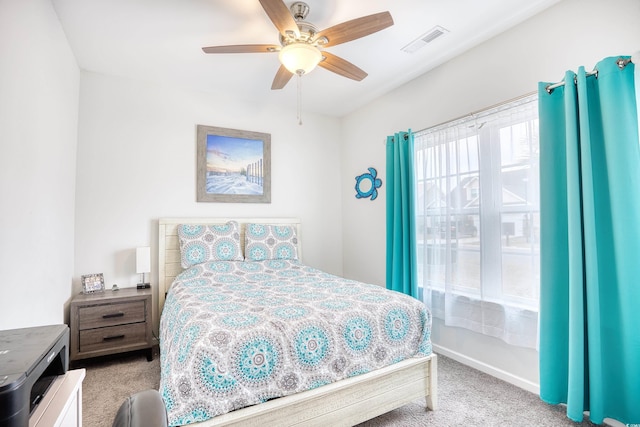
point(194, 283)
point(336, 305)
point(257, 251)
point(237, 333)
point(256, 231)
point(189, 273)
point(272, 301)
point(256, 360)
point(219, 266)
point(276, 283)
point(312, 346)
point(357, 334)
point(396, 324)
point(228, 278)
point(225, 307)
point(195, 253)
point(252, 267)
point(259, 277)
point(284, 251)
point(212, 297)
point(277, 264)
point(291, 312)
point(213, 379)
point(214, 242)
point(270, 242)
point(240, 320)
point(373, 297)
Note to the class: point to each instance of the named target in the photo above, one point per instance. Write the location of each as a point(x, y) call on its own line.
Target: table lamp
point(143, 265)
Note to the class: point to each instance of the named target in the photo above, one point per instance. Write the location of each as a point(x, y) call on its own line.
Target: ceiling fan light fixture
point(300, 58)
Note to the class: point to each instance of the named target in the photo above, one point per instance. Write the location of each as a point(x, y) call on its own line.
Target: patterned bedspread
point(236, 333)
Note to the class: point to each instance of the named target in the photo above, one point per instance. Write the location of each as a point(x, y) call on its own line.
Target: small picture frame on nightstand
point(92, 283)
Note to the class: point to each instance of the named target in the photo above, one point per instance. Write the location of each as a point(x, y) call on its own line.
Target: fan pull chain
point(299, 98)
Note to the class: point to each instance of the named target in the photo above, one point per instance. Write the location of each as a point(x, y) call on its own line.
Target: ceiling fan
point(302, 45)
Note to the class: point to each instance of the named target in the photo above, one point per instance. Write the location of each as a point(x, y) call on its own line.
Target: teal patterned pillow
point(209, 242)
point(263, 241)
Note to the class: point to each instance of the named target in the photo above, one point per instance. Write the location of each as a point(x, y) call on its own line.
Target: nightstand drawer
point(107, 338)
point(110, 322)
point(111, 314)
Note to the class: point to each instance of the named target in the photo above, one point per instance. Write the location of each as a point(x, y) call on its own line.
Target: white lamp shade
point(300, 58)
point(143, 260)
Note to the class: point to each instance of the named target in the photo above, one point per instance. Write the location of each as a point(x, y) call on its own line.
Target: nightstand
point(110, 322)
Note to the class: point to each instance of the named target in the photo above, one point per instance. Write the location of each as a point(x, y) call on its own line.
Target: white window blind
point(478, 221)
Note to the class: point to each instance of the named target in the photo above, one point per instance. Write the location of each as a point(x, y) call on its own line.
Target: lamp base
point(143, 285)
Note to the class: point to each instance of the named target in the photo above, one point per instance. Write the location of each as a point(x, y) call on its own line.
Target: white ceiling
point(160, 41)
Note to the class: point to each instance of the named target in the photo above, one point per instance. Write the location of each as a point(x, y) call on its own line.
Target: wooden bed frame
point(343, 403)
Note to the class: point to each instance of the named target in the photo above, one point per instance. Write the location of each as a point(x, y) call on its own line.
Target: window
point(477, 216)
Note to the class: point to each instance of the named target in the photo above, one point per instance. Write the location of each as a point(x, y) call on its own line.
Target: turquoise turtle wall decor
point(367, 185)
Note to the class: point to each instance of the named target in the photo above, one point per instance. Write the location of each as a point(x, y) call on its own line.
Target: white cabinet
point(62, 404)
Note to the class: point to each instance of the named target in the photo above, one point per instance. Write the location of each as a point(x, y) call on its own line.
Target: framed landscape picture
point(233, 166)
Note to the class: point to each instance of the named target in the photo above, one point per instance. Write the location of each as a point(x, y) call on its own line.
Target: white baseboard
point(488, 369)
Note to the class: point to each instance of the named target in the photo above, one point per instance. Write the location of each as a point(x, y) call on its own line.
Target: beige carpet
point(467, 397)
point(109, 380)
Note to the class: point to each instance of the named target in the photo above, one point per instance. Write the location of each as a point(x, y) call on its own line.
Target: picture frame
point(233, 166)
point(92, 283)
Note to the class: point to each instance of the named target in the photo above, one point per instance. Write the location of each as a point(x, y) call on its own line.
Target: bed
point(304, 392)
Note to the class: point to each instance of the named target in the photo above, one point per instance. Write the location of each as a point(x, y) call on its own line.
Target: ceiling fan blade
point(356, 28)
point(242, 48)
point(281, 17)
point(340, 66)
point(282, 78)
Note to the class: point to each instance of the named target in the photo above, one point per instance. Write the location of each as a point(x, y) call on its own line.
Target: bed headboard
point(169, 245)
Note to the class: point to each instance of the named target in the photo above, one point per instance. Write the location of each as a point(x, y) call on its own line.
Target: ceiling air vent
point(425, 39)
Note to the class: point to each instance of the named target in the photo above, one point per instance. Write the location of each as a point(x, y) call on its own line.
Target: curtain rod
point(621, 64)
point(473, 113)
point(549, 88)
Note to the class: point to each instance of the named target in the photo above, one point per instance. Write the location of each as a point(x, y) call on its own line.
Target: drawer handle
point(113, 337)
point(112, 315)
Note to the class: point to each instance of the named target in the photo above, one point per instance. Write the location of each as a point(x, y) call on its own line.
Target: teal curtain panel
point(401, 270)
point(590, 243)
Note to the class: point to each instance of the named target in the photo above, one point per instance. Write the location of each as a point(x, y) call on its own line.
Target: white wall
point(39, 81)
point(137, 162)
point(570, 34)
